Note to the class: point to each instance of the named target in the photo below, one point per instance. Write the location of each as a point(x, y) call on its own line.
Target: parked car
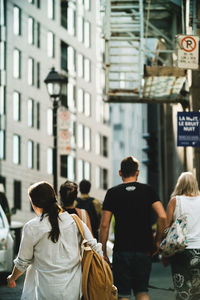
point(6, 244)
point(4, 203)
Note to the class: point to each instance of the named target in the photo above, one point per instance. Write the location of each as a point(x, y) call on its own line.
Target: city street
point(160, 283)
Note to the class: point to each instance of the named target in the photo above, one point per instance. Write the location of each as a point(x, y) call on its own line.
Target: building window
point(87, 104)
point(16, 106)
point(105, 146)
point(71, 96)
point(102, 111)
point(87, 170)
point(98, 178)
point(50, 161)
point(71, 60)
point(38, 3)
point(50, 121)
point(106, 113)
point(63, 166)
point(80, 65)
point(31, 71)
point(38, 115)
point(3, 13)
point(80, 29)
point(17, 20)
point(16, 149)
point(87, 69)
point(30, 113)
point(98, 144)
point(64, 60)
point(38, 156)
point(2, 100)
point(80, 173)
point(67, 170)
point(72, 130)
point(50, 44)
point(80, 136)
point(38, 34)
point(71, 19)
point(102, 145)
point(30, 154)
point(38, 75)
point(17, 194)
point(101, 178)
point(87, 139)
point(87, 34)
point(68, 58)
point(64, 6)
point(71, 168)
point(80, 105)
point(51, 9)
point(87, 4)
point(105, 179)
point(31, 25)
point(16, 63)
point(2, 56)
point(2, 144)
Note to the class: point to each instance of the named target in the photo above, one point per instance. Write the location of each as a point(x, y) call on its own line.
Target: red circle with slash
point(188, 44)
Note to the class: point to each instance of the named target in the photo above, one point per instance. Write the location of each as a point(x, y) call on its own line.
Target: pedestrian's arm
point(104, 231)
point(161, 223)
point(12, 277)
point(170, 211)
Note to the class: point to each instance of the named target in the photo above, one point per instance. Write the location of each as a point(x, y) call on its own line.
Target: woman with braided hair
point(49, 250)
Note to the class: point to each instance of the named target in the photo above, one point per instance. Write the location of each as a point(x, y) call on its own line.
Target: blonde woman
point(185, 266)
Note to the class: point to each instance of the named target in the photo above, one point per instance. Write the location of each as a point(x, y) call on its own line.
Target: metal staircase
point(134, 69)
point(124, 47)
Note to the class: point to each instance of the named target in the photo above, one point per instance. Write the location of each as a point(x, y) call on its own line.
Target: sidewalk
point(161, 278)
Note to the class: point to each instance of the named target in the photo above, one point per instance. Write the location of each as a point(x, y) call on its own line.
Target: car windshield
point(2, 225)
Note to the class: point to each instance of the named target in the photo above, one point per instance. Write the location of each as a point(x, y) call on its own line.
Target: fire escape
point(140, 56)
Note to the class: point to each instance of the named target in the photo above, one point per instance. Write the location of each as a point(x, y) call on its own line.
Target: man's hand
point(157, 248)
point(11, 282)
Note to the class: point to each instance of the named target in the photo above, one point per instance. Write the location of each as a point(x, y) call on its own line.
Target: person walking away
point(185, 266)
point(68, 194)
point(50, 250)
point(131, 203)
point(92, 205)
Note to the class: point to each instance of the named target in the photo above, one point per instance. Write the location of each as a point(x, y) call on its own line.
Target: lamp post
point(54, 83)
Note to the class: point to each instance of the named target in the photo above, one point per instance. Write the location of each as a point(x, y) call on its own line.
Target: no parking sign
point(188, 51)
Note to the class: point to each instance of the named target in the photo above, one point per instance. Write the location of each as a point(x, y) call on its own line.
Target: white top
point(53, 269)
point(191, 207)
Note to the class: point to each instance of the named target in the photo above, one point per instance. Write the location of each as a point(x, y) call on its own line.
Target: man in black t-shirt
point(131, 204)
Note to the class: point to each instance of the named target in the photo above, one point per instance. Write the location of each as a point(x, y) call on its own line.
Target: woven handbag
point(175, 240)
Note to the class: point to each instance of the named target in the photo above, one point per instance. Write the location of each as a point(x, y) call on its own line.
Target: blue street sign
point(188, 124)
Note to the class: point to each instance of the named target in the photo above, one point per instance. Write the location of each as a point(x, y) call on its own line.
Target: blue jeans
point(131, 271)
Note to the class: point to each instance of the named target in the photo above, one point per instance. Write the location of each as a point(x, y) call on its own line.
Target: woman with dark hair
point(49, 250)
point(185, 265)
point(68, 195)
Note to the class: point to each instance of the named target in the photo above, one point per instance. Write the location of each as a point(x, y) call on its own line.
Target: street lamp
point(54, 83)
